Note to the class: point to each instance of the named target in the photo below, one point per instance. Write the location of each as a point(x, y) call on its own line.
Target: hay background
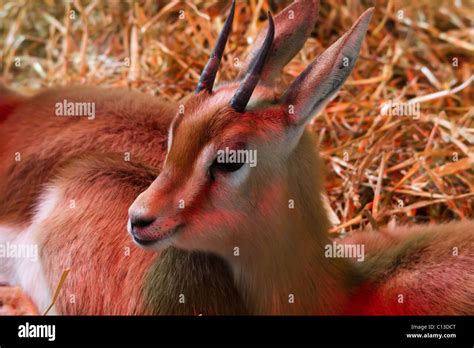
point(381, 169)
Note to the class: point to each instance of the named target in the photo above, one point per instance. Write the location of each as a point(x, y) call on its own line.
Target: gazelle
point(228, 237)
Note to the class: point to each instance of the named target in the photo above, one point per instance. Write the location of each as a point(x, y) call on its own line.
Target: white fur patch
point(27, 273)
point(238, 177)
point(170, 138)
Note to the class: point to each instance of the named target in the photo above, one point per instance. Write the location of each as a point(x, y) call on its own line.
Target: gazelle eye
point(229, 160)
point(226, 167)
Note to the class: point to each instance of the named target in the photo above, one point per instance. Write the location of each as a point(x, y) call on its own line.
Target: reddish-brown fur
point(40, 137)
point(104, 184)
point(430, 266)
point(109, 262)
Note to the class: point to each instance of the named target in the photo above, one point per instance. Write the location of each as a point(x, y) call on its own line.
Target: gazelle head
point(203, 196)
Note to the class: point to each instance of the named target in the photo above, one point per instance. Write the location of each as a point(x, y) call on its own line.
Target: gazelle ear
point(323, 78)
point(293, 26)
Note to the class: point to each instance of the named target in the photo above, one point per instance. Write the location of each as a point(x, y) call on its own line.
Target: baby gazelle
point(263, 219)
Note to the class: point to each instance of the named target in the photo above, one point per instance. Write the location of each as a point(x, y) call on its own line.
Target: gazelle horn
point(208, 76)
point(242, 96)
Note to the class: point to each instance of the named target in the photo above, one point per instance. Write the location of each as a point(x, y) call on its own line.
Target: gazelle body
point(226, 240)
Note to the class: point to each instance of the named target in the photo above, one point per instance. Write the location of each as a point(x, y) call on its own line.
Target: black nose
point(141, 222)
point(136, 224)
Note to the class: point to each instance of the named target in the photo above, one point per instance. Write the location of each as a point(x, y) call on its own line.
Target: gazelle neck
point(281, 267)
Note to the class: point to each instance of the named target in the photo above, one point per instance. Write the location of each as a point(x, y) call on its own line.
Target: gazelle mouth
point(143, 242)
point(162, 237)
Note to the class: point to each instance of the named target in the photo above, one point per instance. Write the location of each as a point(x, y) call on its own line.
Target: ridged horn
point(244, 93)
point(208, 76)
